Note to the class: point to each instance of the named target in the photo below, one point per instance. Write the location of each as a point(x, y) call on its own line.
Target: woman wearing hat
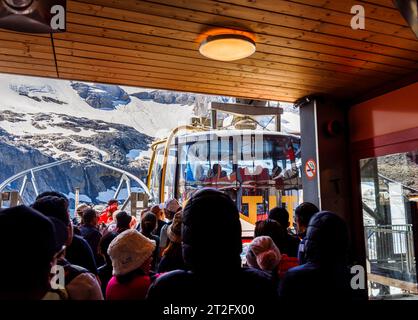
point(131, 255)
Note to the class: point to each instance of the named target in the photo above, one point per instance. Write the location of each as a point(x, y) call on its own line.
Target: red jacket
point(136, 289)
point(285, 264)
point(107, 215)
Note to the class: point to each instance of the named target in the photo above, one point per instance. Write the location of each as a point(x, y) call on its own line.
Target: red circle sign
point(310, 169)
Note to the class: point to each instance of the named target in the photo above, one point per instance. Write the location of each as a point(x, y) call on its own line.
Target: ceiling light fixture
point(227, 47)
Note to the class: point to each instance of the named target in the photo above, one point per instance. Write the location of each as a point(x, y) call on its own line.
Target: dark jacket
point(213, 259)
point(105, 274)
point(80, 253)
point(156, 253)
point(160, 225)
point(172, 260)
point(92, 236)
point(325, 275)
point(291, 245)
point(301, 249)
point(244, 285)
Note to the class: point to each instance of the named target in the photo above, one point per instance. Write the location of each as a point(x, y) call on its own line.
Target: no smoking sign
point(310, 169)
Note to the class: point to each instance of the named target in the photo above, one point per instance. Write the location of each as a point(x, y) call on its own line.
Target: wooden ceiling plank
point(333, 86)
point(24, 65)
point(188, 83)
point(252, 12)
point(28, 71)
point(25, 53)
point(105, 20)
point(23, 59)
point(276, 54)
point(263, 31)
point(378, 12)
point(298, 45)
point(381, 3)
point(355, 67)
point(329, 17)
point(95, 57)
point(149, 72)
point(186, 60)
point(22, 37)
point(175, 86)
point(25, 47)
point(195, 54)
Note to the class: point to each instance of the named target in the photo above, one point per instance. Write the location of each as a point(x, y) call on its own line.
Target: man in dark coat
point(90, 232)
point(78, 251)
point(211, 234)
point(290, 243)
point(325, 275)
point(303, 214)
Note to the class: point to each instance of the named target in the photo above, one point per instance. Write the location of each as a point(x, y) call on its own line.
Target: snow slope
point(151, 118)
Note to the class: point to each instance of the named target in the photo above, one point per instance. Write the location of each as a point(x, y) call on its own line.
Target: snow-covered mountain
point(42, 120)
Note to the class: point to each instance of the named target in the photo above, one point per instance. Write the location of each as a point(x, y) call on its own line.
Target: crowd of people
point(171, 253)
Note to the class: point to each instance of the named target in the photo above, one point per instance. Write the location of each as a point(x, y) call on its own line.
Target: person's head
point(148, 223)
point(281, 215)
point(174, 229)
point(171, 207)
point(129, 251)
point(263, 254)
point(79, 211)
point(123, 221)
point(27, 246)
point(104, 245)
point(303, 214)
point(56, 207)
point(202, 239)
point(326, 239)
point(158, 211)
point(90, 217)
point(53, 194)
point(272, 229)
point(112, 206)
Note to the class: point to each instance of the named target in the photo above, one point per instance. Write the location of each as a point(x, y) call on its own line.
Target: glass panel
point(170, 174)
point(156, 173)
point(259, 171)
point(389, 187)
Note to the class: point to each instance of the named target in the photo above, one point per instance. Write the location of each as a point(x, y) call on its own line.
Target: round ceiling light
point(227, 47)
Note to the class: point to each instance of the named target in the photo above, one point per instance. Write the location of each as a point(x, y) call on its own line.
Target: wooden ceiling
point(303, 47)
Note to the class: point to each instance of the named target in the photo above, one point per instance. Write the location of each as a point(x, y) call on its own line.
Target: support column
point(325, 156)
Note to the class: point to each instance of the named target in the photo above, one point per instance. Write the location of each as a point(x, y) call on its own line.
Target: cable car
point(259, 169)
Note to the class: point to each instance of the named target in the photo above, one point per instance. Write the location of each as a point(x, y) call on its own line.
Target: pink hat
point(263, 254)
point(172, 205)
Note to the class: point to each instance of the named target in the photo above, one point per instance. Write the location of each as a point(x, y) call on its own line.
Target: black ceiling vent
point(33, 16)
point(409, 10)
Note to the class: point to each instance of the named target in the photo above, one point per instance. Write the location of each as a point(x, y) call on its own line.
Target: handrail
point(394, 181)
point(391, 244)
point(22, 174)
point(129, 175)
